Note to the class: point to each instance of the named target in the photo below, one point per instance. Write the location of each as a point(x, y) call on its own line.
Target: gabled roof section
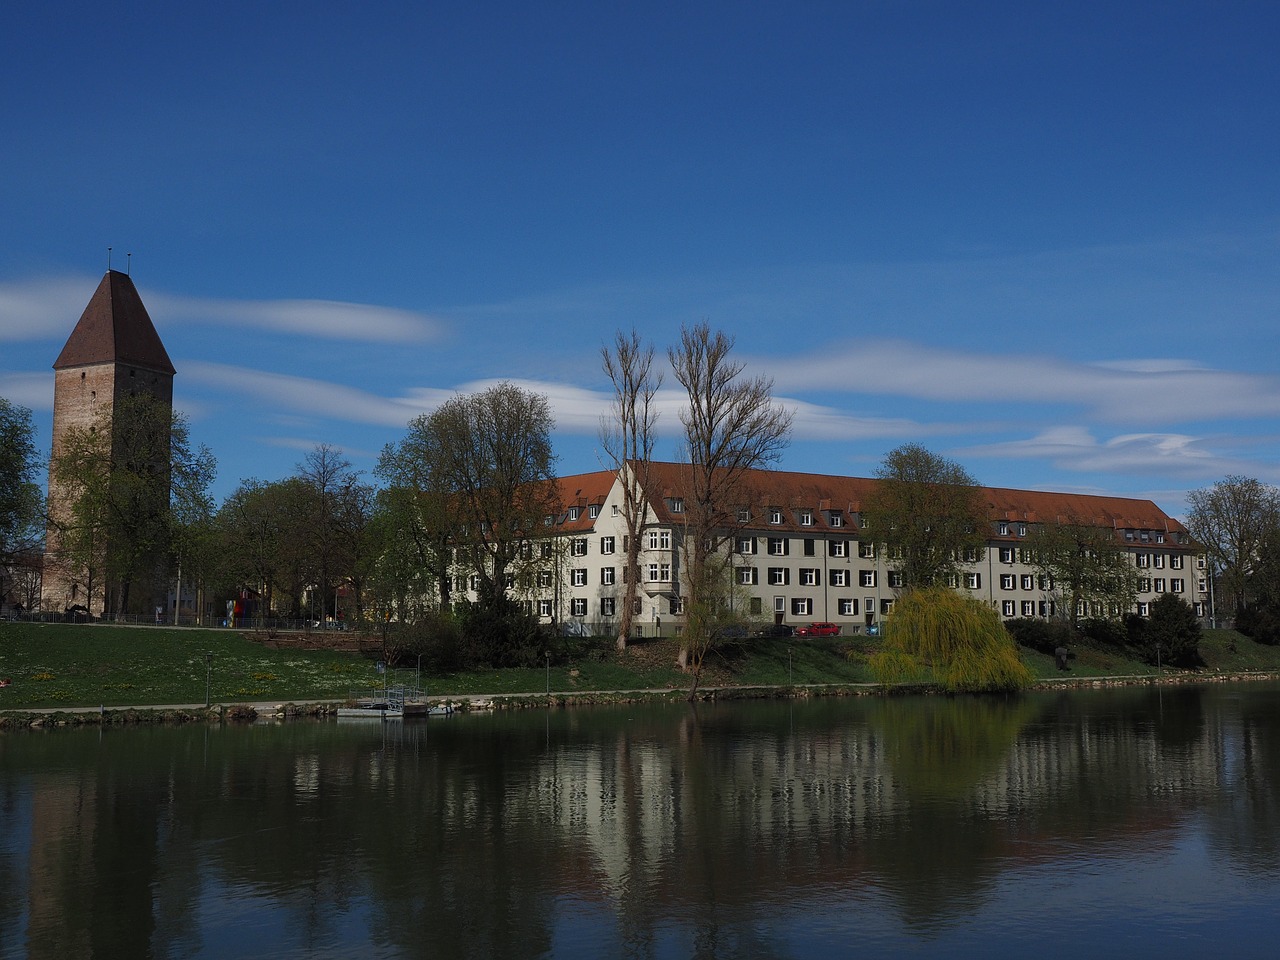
point(115, 328)
point(583, 491)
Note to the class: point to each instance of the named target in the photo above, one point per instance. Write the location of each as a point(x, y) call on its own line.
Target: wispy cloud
point(1128, 391)
point(33, 390)
point(328, 319)
point(47, 309)
point(1171, 455)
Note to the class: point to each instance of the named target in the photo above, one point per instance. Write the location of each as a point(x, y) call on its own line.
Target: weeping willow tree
point(936, 634)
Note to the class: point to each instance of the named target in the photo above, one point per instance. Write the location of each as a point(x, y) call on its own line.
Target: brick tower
point(113, 353)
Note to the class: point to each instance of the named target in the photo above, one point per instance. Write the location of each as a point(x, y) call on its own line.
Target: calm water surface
point(1130, 823)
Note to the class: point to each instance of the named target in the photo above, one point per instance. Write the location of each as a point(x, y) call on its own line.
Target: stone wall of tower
point(85, 397)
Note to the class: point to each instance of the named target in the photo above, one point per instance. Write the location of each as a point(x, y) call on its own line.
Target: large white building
point(799, 554)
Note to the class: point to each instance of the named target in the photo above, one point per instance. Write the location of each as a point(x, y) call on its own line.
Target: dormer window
point(575, 513)
point(775, 514)
point(1003, 529)
point(744, 515)
point(806, 518)
point(677, 504)
point(593, 511)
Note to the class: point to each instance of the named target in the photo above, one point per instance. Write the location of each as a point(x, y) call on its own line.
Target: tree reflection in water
point(768, 829)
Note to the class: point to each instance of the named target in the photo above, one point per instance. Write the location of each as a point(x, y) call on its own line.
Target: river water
point(1118, 823)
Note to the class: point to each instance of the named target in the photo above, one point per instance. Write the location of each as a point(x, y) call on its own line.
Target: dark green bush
point(1260, 622)
point(1045, 636)
point(1172, 633)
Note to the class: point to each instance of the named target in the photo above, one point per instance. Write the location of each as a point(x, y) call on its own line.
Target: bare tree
point(1230, 520)
point(627, 436)
point(1087, 566)
point(731, 427)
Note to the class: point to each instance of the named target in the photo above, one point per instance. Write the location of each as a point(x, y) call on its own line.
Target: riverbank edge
point(252, 712)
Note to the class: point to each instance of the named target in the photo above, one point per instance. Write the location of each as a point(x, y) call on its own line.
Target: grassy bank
point(56, 666)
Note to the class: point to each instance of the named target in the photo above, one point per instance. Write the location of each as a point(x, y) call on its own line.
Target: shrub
point(1172, 633)
point(1260, 622)
point(1104, 633)
point(1046, 636)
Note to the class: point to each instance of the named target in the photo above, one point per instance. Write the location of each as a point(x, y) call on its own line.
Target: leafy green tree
point(936, 634)
point(118, 479)
point(928, 514)
point(21, 505)
point(1089, 569)
point(1260, 618)
point(731, 427)
point(1230, 520)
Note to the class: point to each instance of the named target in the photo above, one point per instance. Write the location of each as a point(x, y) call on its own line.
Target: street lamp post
point(208, 676)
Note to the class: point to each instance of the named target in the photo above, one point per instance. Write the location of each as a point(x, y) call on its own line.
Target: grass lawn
point(69, 665)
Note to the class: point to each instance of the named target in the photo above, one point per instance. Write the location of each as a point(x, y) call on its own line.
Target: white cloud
point(42, 309)
point(1133, 391)
point(33, 390)
point(48, 309)
point(1164, 454)
point(327, 319)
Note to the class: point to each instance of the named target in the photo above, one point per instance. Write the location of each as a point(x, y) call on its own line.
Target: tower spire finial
point(108, 259)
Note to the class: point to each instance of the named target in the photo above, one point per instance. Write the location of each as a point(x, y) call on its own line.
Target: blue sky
point(1040, 239)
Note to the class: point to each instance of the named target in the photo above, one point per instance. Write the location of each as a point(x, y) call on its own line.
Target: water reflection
point(963, 826)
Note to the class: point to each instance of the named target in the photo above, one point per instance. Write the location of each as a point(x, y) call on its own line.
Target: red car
point(819, 630)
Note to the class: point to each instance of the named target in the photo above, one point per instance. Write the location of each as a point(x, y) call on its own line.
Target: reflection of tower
point(113, 352)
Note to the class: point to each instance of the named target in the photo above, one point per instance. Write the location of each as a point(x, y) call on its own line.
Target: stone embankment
point(248, 713)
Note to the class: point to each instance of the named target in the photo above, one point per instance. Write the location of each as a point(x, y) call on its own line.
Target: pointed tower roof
point(115, 328)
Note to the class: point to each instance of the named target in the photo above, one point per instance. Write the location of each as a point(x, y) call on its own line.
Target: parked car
point(819, 629)
point(774, 630)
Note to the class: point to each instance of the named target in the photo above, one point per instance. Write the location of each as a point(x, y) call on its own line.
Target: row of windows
point(1148, 585)
point(804, 516)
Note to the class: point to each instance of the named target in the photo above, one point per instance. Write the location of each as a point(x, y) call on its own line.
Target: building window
point(575, 513)
point(578, 607)
point(838, 548)
point(1144, 584)
point(973, 581)
point(810, 577)
point(801, 607)
point(886, 607)
point(676, 606)
point(1022, 529)
point(1158, 585)
point(1202, 585)
point(1144, 560)
point(1028, 608)
point(578, 546)
point(1006, 581)
point(970, 554)
point(1046, 583)
point(606, 576)
point(1006, 608)
point(867, 578)
point(580, 576)
point(777, 546)
point(835, 518)
point(866, 551)
point(544, 578)
point(659, 539)
point(1199, 608)
point(1006, 554)
point(1159, 561)
point(806, 518)
point(677, 505)
point(746, 545)
point(1177, 585)
point(1028, 582)
point(896, 580)
point(659, 572)
point(546, 550)
point(606, 545)
point(544, 608)
point(1175, 562)
point(810, 547)
point(779, 576)
point(839, 578)
point(748, 576)
point(593, 511)
point(1144, 608)
point(953, 580)
point(847, 608)
point(607, 606)
point(1003, 529)
point(744, 515)
point(775, 514)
